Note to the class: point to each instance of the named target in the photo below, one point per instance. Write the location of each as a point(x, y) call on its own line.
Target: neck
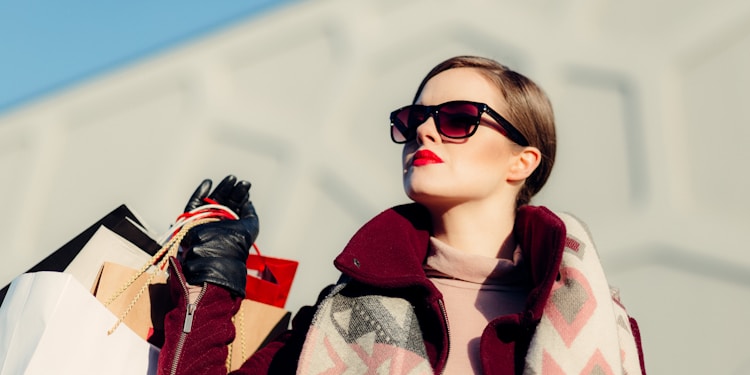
point(476, 228)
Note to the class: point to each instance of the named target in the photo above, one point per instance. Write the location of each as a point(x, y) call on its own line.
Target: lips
point(424, 157)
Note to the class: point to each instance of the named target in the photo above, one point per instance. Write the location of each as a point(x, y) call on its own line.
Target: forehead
point(461, 84)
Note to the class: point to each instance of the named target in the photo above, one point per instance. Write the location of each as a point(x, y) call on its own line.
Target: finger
point(196, 200)
point(239, 195)
point(250, 221)
point(247, 210)
point(223, 189)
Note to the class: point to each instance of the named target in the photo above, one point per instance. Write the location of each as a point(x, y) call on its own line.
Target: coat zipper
point(187, 325)
point(186, 328)
point(447, 331)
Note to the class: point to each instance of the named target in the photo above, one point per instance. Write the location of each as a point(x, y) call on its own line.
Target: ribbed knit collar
point(444, 260)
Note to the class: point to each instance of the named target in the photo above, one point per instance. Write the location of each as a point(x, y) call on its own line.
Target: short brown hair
point(530, 111)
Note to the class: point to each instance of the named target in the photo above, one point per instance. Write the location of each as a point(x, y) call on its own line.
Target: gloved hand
point(216, 252)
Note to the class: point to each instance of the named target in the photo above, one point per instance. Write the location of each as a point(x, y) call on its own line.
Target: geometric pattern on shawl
point(583, 329)
point(367, 334)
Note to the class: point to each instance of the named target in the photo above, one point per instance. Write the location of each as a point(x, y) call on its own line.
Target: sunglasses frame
point(506, 127)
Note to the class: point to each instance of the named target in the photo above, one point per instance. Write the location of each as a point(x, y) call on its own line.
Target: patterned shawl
point(583, 330)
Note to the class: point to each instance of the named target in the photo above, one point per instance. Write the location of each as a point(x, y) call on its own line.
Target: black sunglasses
point(456, 119)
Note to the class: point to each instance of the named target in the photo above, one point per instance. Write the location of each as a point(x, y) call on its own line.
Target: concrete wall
point(651, 109)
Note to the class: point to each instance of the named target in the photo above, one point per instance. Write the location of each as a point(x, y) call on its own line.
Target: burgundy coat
point(401, 237)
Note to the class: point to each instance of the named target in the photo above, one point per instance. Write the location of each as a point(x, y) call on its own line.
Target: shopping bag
point(105, 246)
point(269, 279)
point(144, 314)
point(121, 220)
point(51, 324)
point(255, 325)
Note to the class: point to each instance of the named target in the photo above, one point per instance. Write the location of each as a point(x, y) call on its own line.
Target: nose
point(427, 131)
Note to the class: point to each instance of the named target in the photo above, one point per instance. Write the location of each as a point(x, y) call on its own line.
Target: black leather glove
point(216, 252)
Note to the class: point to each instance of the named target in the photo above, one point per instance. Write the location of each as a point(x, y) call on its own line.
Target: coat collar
point(390, 249)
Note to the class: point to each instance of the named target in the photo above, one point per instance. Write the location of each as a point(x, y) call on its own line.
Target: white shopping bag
point(105, 246)
point(51, 324)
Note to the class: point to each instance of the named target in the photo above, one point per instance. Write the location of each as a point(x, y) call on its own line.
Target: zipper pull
point(189, 317)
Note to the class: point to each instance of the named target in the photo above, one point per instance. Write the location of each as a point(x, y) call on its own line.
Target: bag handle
point(240, 324)
point(211, 210)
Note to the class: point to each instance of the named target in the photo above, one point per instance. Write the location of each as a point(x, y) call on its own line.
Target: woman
point(467, 279)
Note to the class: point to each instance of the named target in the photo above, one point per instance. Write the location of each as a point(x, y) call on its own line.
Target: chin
point(416, 196)
point(428, 190)
point(429, 199)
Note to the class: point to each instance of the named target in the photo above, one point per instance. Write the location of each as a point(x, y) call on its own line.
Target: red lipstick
point(424, 157)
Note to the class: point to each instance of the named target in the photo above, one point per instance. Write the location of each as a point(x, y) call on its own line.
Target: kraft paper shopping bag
point(143, 313)
point(255, 325)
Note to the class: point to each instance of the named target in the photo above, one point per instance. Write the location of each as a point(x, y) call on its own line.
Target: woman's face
point(442, 172)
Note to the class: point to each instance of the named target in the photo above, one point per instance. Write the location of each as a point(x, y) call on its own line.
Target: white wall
point(652, 119)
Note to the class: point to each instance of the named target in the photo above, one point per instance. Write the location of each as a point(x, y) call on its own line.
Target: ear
point(524, 163)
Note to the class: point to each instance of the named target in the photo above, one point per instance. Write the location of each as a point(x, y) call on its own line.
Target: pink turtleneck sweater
point(475, 289)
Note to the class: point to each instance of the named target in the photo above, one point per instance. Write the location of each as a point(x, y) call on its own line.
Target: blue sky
point(49, 45)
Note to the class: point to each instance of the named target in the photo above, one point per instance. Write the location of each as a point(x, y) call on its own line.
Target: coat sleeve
point(196, 338)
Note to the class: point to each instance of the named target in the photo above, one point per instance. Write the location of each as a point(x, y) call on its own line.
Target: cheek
point(406, 153)
point(487, 163)
point(486, 158)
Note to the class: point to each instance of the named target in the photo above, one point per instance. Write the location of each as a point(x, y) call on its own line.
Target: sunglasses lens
point(458, 120)
point(397, 134)
point(405, 121)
